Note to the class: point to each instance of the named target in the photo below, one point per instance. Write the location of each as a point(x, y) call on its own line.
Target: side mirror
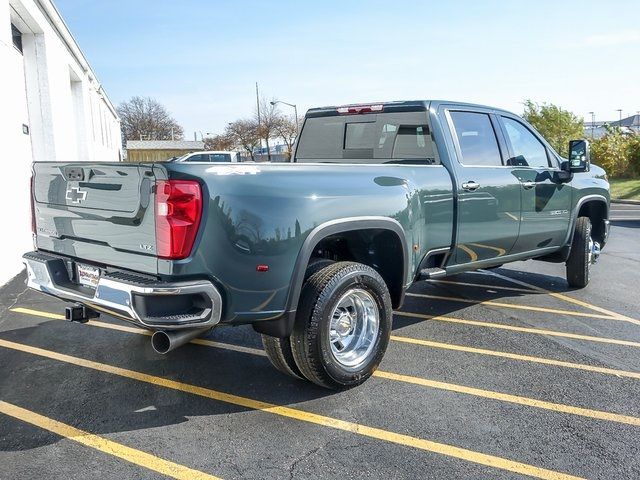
point(579, 156)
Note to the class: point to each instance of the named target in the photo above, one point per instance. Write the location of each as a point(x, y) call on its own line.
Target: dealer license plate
point(88, 275)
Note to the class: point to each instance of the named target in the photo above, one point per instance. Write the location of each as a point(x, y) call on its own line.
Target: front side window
point(527, 149)
point(477, 139)
point(197, 158)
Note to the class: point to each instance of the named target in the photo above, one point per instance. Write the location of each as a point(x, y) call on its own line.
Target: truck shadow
point(104, 403)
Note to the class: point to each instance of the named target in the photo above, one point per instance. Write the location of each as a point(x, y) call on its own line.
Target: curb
point(626, 202)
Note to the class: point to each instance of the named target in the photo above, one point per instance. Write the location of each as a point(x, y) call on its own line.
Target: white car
point(209, 156)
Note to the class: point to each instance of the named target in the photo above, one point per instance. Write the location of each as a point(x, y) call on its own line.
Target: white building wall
point(50, 90)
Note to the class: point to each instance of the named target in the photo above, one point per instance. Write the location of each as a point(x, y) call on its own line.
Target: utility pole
point(593, 123)
point(620, 116)
point(258, 111)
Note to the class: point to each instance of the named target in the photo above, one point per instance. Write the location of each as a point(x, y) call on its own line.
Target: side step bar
point(433, 272)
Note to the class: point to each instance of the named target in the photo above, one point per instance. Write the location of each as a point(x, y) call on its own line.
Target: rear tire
point(578, 263)
point(279, 354)
point(278, 350)
point(343, 325)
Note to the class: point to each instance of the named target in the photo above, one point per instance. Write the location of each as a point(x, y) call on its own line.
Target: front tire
point(579, 261)
point(343, 325)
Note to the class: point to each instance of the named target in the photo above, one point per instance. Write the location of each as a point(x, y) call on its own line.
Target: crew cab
point(315, 254)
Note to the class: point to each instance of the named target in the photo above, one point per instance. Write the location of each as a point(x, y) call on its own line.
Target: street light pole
point(619, 116)
point(295, 112)
point(593, 123)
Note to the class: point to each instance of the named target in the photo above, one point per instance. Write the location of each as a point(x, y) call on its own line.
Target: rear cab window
point(372, 138)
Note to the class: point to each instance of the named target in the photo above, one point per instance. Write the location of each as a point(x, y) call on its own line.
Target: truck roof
point(393, 106)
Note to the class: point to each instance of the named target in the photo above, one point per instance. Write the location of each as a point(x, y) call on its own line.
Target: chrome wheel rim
point(594, 251)
point(355, 321)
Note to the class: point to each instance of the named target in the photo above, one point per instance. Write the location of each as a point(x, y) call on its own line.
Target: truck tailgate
point(101, 213)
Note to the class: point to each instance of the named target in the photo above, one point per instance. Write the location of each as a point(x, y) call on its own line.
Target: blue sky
point(201, 59)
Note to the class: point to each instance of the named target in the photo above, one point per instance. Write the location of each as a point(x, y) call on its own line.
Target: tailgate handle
point(74, 173)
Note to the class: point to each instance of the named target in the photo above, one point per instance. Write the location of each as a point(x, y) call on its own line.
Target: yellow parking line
point(515, 356)
point(566, 298)
point(472, 254)
point(104, 445)
point(510, 305)
point(501, 251)
point(300, 415)
point(513, 328)
point(124, 328)
point(504, 397)
point(480, 285)
point(530, 402)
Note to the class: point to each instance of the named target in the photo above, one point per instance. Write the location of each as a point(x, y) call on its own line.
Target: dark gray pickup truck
point(315, 253)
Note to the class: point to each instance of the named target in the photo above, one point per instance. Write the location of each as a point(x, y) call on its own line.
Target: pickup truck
point(315, 254)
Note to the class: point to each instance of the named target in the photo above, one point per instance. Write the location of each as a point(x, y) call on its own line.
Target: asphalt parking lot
point(498, 374)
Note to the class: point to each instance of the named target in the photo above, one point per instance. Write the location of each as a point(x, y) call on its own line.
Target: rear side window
point(527, 149)
point(374, 138)
point(477, 139)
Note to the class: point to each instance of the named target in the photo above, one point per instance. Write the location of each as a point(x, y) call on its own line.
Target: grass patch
point(625, 189)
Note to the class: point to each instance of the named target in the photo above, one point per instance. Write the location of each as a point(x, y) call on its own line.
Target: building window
point(16, 36)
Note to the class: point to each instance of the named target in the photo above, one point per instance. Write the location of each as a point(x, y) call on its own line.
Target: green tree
point(558, 126)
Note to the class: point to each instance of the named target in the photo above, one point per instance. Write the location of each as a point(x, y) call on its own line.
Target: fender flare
point(282, 326)
point(574, 217)
point(339, 226)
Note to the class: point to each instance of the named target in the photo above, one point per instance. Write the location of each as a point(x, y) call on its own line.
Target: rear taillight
point(178, 214)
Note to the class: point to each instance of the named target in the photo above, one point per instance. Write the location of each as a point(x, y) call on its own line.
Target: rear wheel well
point(597, 213)
point(379, 248)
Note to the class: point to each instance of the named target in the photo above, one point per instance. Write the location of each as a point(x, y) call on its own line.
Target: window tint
point(374, 138)
point(16, 37)
point(527, 149)
point(477, 139)
point(219, 157)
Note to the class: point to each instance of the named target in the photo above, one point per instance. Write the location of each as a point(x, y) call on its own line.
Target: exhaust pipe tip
point(164, 341)
point(161, 342)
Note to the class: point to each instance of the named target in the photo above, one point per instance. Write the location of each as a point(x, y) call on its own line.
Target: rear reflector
point(360, 109)
point(178, 214)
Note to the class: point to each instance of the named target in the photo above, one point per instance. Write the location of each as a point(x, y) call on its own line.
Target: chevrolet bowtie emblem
point(76, 195)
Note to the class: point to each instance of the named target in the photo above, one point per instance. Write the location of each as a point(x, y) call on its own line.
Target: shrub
point(617, 153)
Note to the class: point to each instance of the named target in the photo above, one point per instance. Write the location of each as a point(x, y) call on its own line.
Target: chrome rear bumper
point(151, 304)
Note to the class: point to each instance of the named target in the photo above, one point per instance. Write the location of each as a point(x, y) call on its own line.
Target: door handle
point(470, 186)
point(528, 185)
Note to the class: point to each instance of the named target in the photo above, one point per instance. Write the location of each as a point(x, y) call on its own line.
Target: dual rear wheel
point(342, 327)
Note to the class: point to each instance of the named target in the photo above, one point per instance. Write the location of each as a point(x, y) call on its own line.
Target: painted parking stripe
point(505, 397)
point(530, 402)
point(297, 414)
point(104, 445)
point(515, 356)
point(513, 328)
point(515, 306)
point(124, 328)
point(561, 296)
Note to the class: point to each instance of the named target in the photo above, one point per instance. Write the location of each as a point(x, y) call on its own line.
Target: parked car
point(315, 254)
point(209, 156)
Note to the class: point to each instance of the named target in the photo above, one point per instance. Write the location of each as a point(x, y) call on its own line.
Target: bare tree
point(267, 120)
point(144, 118)
point(244, 133)
point(219, 142)
point(287, 130)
